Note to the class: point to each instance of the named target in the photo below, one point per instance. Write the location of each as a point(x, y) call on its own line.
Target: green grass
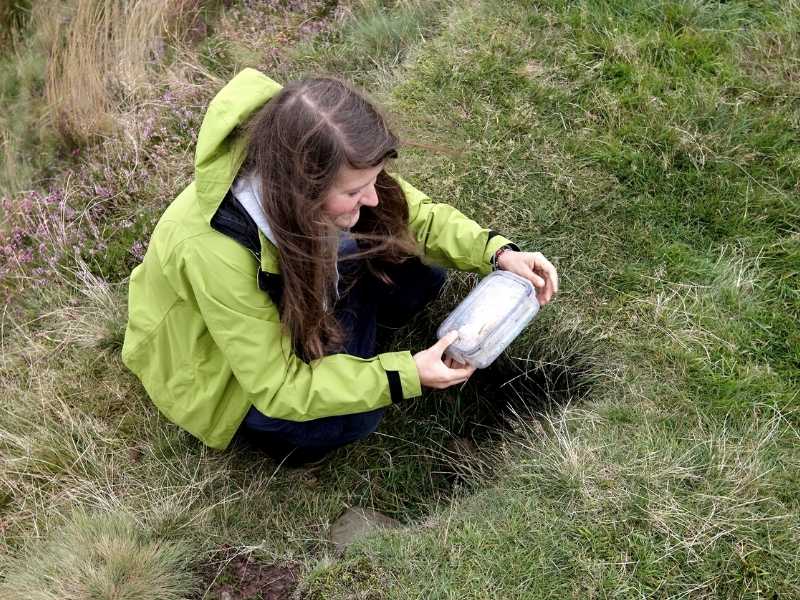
point(650, 149)
point(629, 143)
point(376, 37)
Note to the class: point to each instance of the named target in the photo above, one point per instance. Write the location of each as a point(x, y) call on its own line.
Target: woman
point(257, 303)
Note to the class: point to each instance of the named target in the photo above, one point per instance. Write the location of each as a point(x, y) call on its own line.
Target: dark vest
point(234, 221)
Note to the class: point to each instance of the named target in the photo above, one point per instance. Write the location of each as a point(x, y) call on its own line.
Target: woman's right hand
point(433, 372)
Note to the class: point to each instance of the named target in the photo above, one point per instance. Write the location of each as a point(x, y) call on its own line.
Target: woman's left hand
point(534, 267)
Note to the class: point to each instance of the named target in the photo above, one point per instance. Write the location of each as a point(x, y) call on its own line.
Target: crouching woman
point(256, 307)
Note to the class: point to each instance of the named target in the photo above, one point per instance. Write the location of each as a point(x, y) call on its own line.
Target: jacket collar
point(233, 220)
point(269, 255)
point(246, 189)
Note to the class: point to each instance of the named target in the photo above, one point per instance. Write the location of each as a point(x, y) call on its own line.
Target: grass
point(78, 72)
point(650, 149)
point(22, 66)
point(102, 557)
point(374, 40)
point(601, 136)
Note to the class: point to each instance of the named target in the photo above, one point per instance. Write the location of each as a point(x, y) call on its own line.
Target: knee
point(361, 425)
point(325, 431)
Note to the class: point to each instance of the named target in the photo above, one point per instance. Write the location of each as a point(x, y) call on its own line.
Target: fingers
point(536, 269)
point(443, 343)
point(446, 383)
point(439, 371)
point(462, 373)
point(536, 280)
point(548, 276)
point(456, 373)
point(452, 363)
point(458, 376)
point(546, 267)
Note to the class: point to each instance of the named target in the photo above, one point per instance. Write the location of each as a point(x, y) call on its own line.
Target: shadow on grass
point(444, 443)
point(465, 425)
point(514, 388)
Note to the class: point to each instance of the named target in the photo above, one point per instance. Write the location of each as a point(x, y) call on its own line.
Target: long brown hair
point(297, 144)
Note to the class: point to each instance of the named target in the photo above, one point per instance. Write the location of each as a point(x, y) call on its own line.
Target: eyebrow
point(355, 189)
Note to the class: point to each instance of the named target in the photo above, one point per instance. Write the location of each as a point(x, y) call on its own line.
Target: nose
point(370, 197)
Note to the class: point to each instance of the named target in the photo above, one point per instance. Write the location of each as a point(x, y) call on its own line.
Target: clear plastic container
point(490, 318)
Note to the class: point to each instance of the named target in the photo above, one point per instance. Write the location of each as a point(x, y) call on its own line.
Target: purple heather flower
point(102, 192)
point(138, 250)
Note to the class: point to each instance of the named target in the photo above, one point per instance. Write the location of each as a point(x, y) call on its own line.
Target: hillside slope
point(650, 149)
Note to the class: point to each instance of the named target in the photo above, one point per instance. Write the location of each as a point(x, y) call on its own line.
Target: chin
point(347, 222)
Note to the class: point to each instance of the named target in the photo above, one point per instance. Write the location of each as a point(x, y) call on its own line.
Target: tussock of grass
point(383, 36)
point(75, 72)
point(103, 60)
point(101, 556)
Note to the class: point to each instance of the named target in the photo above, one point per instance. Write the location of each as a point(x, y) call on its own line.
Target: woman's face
point(351, 189)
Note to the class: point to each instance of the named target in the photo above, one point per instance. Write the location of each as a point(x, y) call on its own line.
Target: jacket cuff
point(401, 372)
point(493, 244)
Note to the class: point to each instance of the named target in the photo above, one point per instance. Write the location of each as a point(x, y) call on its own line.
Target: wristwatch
point(495, 265)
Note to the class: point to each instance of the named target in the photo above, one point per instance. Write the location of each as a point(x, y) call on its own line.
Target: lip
point(351, 218)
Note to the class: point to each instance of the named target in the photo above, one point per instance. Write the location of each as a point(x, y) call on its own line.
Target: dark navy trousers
point(361, 310)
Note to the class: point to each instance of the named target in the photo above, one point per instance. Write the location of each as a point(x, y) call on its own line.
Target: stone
point(357, 522)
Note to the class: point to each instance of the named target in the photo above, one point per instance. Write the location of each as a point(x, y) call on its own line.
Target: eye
point(352, 194)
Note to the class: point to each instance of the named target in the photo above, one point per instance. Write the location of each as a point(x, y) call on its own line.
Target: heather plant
point(109, 201)
point(41, 233)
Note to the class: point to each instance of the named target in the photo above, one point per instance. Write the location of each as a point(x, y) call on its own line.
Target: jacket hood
point(219, 154)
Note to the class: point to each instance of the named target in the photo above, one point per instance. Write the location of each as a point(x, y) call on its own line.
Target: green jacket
point(207, 343)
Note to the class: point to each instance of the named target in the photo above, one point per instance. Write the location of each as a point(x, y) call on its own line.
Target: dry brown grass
point(103, 57)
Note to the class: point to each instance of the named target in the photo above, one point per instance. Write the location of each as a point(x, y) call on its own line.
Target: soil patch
point(232, 576)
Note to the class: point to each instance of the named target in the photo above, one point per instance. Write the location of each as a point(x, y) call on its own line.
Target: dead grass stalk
point(103, 57)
